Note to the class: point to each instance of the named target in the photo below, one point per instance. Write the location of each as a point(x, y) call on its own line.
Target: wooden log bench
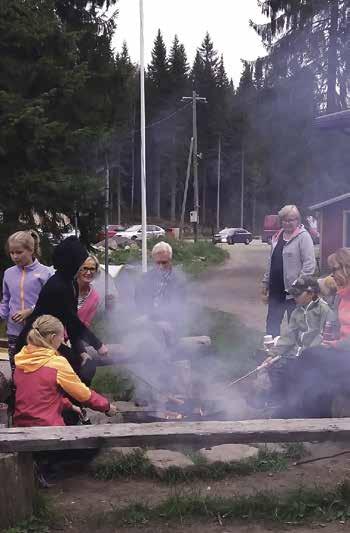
point(17, 444)
point(158, 435)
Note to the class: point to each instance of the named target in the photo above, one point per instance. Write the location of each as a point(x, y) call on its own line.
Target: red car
point(111, 232)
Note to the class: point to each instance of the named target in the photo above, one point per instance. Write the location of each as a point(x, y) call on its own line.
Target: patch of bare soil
point(79, 497)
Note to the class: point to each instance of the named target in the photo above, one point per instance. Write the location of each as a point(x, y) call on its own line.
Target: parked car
point(233, 236)
point(221, 237)
point(112, 230)
point(272, 224)
point(135, 232)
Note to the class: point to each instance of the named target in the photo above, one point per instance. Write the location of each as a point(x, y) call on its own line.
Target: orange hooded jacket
point(42, 380)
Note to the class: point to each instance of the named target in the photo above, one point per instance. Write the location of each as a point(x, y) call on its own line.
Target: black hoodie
point(58, 297)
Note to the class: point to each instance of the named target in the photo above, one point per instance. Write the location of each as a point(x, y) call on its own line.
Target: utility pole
point(186, 189)
point(195, 98)
point(242, 185)
point(219, 184)
point(106, 228)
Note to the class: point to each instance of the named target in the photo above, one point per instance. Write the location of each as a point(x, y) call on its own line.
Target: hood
point(68, 257)
point(344, 293)
point(32, 358)
point(300, 229)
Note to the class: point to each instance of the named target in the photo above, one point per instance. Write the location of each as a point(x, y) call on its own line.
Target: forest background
point(69, 103)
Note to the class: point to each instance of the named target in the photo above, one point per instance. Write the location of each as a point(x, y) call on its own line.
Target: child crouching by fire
point(45, 382)
point(305, 330)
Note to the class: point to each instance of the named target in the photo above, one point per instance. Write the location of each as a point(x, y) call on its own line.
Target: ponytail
point(29, 239)
point(42, 328)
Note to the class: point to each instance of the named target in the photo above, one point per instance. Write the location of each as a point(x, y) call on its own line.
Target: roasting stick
point(252, 372)
point(162, 393)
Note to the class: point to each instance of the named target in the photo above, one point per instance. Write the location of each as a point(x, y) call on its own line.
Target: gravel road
point(234, 287)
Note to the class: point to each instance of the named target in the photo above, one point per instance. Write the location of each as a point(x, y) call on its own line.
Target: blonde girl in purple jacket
point(22, 284)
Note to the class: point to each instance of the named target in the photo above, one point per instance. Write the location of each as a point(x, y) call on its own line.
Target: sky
point(227, 22)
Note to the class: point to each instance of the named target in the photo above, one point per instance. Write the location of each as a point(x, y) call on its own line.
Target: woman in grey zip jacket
point(292, 255)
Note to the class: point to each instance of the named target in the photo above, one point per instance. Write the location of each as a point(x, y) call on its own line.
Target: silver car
point(135, 232)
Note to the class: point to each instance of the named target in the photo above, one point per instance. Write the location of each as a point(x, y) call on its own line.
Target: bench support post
point(16, 488)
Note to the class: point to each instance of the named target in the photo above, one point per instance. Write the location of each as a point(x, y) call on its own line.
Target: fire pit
point(190, 410)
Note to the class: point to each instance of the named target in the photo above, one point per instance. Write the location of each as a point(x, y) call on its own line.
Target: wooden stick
point(159, 391)
point(255, 371)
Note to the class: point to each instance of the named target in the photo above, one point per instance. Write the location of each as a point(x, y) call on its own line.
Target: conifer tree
point(158, 93)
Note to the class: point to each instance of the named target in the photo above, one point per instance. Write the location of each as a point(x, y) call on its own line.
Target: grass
point(43, 516)
point(116, 384)
point(293, 507)
point(193, 257)
point(233, 351)
point(136, 465)
point(234, 344)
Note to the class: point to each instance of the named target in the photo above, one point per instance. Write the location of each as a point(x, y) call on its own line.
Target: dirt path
point(235, 286)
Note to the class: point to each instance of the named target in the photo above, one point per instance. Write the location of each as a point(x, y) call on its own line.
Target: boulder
point(110, 455)
point(227, 453)
point(162, 460)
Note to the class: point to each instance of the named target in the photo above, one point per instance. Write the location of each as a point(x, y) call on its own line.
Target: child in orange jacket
point(44, 379)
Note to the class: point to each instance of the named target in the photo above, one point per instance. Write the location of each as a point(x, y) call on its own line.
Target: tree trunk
point(119, 193)
point(173, 184)
point(157, 186)
point(204, 198)
point(332, 57)
point(118, 185)
point(254, 210)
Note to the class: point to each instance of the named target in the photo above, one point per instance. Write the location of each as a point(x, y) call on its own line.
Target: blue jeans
point(277, 308)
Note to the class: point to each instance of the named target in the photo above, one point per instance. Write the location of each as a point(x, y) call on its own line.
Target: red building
point(334, 224)
point(333, 214)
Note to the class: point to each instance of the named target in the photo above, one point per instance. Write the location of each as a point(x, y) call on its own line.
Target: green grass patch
point(43, 516)
point(193, 257)
point(133, 465)
point(114, 383)
point(136, 465)
point(234, 345)
point(294, 506)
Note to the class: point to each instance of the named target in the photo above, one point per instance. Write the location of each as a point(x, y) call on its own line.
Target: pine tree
point(311, 34)
point(158, 90)
point(222, 81)
point(180, 126)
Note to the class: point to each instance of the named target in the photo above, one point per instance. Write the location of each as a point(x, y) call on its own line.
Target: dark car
point(233, 236)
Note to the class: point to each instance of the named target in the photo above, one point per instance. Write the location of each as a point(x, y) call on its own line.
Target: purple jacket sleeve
point(5, 303)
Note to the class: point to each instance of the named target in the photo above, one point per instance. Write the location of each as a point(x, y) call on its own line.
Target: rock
point(162, 460)
point(109, 455)
point(227, 453)
point(272, 447)
point(17, 493)
point(97, 418)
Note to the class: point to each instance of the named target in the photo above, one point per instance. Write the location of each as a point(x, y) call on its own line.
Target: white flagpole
point(143, 142)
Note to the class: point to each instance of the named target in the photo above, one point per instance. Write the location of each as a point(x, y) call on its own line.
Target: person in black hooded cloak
point(59, 298)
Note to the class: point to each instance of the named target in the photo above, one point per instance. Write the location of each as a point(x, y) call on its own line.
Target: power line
point(149, 126)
